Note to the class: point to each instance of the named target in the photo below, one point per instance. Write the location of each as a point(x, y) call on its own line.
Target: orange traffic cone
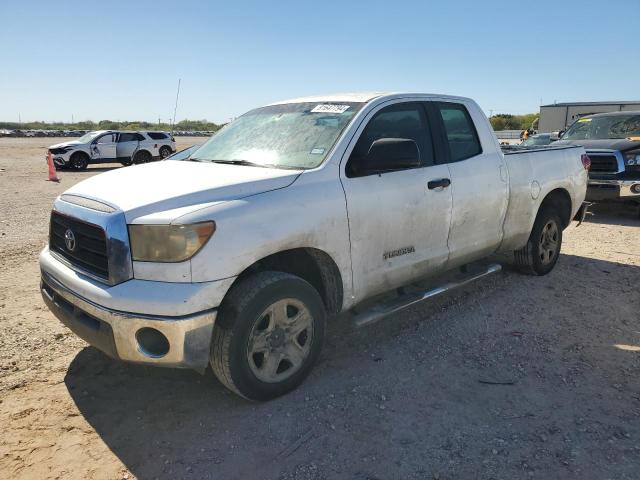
point(53, 176)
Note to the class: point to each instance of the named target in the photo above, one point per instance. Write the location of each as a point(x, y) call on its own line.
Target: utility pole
point(175, 109)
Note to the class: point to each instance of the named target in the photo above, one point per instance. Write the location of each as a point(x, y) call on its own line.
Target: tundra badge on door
point(398, 252)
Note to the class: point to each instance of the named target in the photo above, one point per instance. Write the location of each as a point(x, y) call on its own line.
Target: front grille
point(90, 251)
point(603, 163)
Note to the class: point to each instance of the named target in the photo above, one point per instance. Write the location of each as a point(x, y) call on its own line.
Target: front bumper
point(613, 190)
point(59, 159)
point(116, 333)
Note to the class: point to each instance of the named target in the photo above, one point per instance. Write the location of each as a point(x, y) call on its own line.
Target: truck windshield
point(600, 128)
point(293, 135)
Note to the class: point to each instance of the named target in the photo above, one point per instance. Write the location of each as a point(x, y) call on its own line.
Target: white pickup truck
point(294, 212)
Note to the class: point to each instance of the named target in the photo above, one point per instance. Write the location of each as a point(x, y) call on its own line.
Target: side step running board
point(380, 311)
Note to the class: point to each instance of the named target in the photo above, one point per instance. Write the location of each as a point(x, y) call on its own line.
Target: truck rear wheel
point(268, 335)
point(540, 254)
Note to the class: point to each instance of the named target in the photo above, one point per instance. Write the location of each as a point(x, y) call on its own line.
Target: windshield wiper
point(231, 162)
point(247, 163)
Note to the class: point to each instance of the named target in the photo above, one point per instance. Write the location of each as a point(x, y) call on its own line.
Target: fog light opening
point(152, 342)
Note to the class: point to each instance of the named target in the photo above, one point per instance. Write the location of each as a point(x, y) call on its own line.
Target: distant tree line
point(189, 125)
point(505, 121)
point(500, 121)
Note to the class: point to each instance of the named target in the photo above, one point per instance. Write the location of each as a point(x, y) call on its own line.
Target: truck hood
point(170, 185)
point(620, 144)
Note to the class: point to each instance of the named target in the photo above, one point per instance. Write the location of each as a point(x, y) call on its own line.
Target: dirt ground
point(512, 377)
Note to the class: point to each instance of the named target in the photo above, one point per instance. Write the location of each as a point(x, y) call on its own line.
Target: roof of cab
point(613, 114)
point(364, 97)
point(336, 97)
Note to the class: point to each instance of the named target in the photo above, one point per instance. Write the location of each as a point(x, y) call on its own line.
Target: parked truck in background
point(612, 141)
point(292, 213)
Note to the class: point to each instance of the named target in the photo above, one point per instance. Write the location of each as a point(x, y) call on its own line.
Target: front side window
point(461, 133)
point(108, 138)
point(605, 127)
point(400, 121)
point(292, 135)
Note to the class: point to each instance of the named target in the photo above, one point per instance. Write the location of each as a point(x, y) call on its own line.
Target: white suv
point(110, 146)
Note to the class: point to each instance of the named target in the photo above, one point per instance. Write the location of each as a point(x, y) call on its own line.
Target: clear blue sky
point(121, 60)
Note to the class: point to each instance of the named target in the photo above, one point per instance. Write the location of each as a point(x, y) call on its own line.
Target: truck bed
point(533, 173)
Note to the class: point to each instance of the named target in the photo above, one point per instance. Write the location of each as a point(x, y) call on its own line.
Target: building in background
point(559, 116)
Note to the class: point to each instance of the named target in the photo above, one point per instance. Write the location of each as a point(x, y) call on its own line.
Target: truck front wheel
point(540, 254)
point(268, 335)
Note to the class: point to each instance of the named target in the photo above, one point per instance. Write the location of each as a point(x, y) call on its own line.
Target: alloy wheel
point(548, 245)
point(280, 340)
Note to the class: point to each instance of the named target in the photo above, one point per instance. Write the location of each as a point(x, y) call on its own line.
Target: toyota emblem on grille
point(70, 240)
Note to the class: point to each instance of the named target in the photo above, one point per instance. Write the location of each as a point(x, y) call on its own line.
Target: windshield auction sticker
point(329, 108)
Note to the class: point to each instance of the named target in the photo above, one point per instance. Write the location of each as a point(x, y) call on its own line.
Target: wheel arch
point(141, 150)
point(560, 200)
point(146, 150)
point(80, 152)
point(311, 264)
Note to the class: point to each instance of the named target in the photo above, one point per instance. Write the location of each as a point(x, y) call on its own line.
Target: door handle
point(440, 183)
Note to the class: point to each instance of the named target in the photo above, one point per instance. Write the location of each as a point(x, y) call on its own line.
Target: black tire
point(142, 156)
point(126, 163)
point(535, 258)
point(79, 161)
point(242, 311)
point(164, 152)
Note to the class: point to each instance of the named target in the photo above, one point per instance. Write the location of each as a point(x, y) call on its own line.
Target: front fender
point(306, 214)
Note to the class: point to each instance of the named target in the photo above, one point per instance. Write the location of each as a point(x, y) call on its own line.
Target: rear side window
point(460, 131)
point(128, 137)
point(405, 120)
point(158, 135)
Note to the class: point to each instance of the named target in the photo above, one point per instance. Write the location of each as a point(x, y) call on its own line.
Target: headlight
point(60, 150)
point(168, 243)
point(632, 158)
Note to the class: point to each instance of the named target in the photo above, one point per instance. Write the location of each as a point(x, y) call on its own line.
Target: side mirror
point(386, 154)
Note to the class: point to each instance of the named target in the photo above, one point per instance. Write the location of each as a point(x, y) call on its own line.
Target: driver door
point(104, 148)
point(398, 219)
